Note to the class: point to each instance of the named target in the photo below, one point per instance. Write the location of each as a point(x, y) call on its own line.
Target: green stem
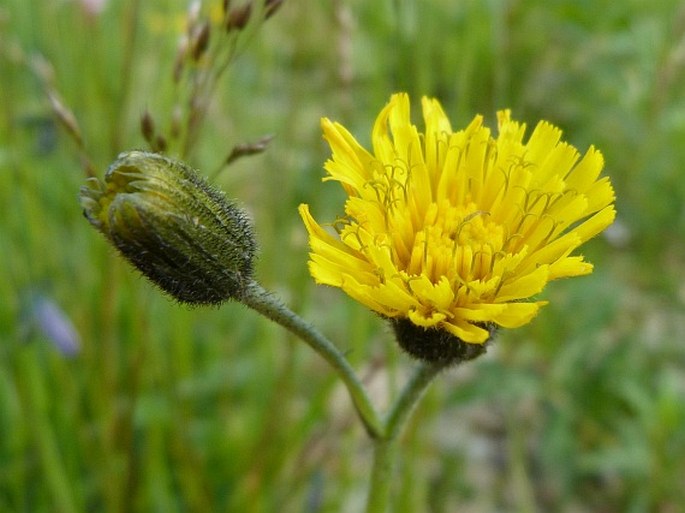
point(262, 301)
point(384, 456)
point(384, 434)
point(409, 397)
point(386, 447)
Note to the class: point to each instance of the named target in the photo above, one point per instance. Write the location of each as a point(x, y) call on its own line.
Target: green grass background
point(169, 409)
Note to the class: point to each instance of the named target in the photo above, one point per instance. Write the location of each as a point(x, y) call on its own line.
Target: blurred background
point(115, 399)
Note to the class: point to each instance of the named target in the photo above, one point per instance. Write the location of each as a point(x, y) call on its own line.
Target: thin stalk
point(409, 397)
point(384, 456)
point(384, 434)
point(265, 303)
point(386, 448)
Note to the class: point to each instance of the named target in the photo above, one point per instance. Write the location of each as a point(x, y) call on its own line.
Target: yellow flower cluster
point(457, 231)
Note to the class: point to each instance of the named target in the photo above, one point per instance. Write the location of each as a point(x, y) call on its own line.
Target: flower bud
point(179, 231)
point(436, 345)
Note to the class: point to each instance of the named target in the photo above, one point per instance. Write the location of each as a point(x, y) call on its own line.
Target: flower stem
point(383, 433)
point(267, 304)
point(384, 456)
point(386, 447)
point(409, 397)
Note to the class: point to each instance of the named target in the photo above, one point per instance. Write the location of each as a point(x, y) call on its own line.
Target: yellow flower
point(457, 231)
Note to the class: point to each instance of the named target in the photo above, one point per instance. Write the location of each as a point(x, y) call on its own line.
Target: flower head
point(454, 233)
point(179, 231)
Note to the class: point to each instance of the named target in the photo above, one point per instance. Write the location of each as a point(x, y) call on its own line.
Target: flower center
point(459, 242)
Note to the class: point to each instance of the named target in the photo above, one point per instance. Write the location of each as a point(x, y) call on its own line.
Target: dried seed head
point(246, 149)
point(179, 231)
point(238, 17)
point(200, 41)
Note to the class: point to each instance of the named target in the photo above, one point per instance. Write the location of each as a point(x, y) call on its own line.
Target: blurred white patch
point(618, 234)
point(93, 7)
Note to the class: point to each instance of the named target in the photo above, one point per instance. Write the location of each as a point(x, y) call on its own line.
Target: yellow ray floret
point(457, 230)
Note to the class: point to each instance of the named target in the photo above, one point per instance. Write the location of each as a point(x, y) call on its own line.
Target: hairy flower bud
point(179, 231)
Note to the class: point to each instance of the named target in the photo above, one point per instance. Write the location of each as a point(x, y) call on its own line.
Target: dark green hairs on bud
point(178, 230)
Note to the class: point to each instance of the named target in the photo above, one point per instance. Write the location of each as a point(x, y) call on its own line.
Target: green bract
point(179, 231)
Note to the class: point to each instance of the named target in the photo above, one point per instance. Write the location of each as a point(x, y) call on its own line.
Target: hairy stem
point(386, 448)
point(262, 301)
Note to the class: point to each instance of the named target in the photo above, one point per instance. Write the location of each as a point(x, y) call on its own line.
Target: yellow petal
point(430, 321)
point(467, 332)
point(516, 315)
point(524, 286)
